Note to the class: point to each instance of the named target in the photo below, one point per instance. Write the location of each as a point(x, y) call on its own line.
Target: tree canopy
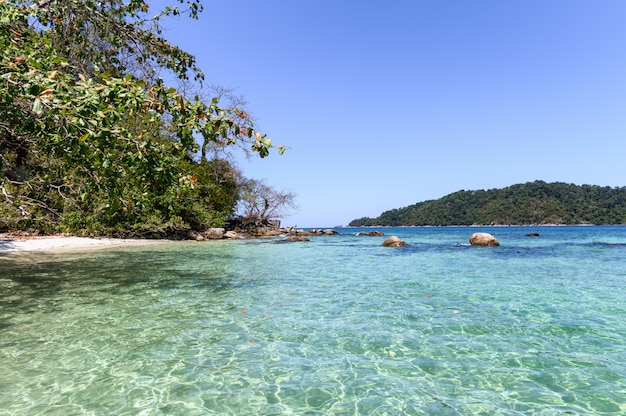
point(522, 204)
point(92, 141)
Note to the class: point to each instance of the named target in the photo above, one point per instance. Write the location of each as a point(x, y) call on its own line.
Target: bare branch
point(10, 201)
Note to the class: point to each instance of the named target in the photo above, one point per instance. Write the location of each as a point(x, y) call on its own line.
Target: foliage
point(217, 186)
point(523, 204)
point(86, 146)
point(114, 36)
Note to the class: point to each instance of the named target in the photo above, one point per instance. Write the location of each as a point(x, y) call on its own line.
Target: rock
point(371, 233)
point(533, 234)
point(214, 233)
point(393, 241)
point(194, 235)
point(267, 232)
point(231, 235)
point(483, 239)
point(311, 232)
point(293, 238)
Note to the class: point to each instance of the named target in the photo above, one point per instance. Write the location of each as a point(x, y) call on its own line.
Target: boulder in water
point(483, 239)
point(393, 241)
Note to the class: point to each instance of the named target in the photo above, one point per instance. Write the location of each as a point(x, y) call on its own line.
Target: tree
point(114, 36)
point(259, 201)
point(85, 144)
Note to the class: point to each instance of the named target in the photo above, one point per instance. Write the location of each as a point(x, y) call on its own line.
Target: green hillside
point(523, 204)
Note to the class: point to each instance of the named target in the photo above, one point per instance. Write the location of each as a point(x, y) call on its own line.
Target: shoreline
point(15, 244)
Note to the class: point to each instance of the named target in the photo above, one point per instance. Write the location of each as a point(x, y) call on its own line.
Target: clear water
point(336, 326)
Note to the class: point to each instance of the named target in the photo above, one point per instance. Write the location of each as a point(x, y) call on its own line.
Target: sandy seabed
point(54, 244)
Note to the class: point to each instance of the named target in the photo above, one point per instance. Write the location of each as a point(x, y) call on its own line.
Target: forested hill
point(522, 204)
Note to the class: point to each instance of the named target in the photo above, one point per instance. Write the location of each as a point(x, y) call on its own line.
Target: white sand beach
point(55, 244)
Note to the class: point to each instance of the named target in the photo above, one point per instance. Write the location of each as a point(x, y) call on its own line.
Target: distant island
point(531, 203)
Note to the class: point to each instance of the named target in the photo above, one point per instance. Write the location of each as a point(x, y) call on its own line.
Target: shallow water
point(336, 326)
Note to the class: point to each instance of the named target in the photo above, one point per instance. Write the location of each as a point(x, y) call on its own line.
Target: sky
point(385, 104)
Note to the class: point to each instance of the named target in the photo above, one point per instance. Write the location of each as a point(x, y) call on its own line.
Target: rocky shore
point(222, 233)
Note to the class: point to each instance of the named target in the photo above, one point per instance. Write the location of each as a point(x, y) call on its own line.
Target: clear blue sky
point(385, 104)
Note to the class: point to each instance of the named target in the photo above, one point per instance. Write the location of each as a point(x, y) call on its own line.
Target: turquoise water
point(336, 326)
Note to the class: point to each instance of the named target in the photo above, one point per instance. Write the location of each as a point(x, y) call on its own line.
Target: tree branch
point(10, 201)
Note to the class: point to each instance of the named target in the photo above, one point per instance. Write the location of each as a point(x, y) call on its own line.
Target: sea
point(338, 325)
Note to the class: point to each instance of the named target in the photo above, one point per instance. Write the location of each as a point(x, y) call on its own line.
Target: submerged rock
point(393, 241)
point(371, 233)
point(483, 239)
point(293, 238)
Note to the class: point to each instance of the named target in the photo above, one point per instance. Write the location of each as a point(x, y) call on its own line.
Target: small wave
point(601, 243)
